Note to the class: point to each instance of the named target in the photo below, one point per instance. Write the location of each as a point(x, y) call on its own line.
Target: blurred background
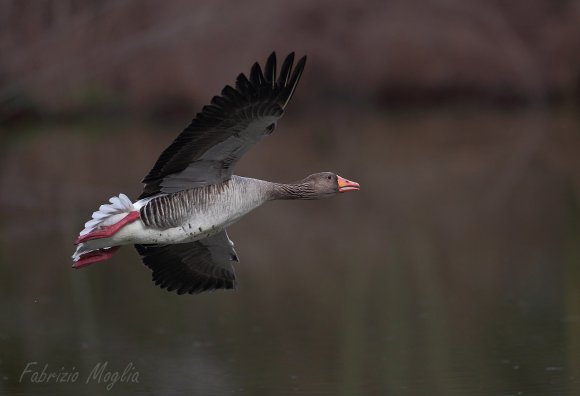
point(454, 271)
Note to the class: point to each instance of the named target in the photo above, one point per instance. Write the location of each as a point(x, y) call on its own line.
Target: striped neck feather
point(293, 191)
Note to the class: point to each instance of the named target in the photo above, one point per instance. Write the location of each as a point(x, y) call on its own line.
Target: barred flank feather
point(172, 210)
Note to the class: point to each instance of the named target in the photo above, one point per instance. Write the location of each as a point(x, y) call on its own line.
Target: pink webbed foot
point(108, 231)
point(95, 257)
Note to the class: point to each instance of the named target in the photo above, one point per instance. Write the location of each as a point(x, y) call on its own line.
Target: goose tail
point(91, 245)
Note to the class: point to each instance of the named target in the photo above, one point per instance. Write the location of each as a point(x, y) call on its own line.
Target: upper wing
point(192, 267)
point(207, 150)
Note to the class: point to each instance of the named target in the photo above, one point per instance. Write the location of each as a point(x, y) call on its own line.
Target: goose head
point(327, 184)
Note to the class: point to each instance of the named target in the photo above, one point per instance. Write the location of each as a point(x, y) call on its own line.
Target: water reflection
point(454, 271)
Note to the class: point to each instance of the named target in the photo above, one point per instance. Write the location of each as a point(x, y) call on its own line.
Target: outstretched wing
point(208, 149)
point(192, 267)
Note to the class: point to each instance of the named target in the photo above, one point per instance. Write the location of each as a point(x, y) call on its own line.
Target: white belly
point(138, 233)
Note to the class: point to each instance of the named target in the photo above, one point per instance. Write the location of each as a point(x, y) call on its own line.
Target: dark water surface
point(454, 271)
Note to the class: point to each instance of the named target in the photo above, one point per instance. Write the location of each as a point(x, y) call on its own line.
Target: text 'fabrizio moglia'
point(101, 373)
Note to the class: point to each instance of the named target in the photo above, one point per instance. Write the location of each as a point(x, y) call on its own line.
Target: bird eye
point(329, 177)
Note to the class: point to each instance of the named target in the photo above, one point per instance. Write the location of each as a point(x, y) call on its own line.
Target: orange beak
point(347, 185)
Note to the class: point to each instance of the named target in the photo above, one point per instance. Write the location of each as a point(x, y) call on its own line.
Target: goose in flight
point(178, 224)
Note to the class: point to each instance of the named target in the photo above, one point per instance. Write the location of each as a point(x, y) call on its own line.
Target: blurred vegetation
point(65, 56)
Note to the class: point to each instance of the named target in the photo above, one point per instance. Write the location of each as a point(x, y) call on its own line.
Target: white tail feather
point(109, 214)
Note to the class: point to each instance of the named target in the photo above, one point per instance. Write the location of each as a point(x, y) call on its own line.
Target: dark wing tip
point(293, 83)
point(256, 76)
point(264, 83)
point(270, 69)
point(285, 70)
point(243, 84)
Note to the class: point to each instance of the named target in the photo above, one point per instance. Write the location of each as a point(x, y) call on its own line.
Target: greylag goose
point(178, 224)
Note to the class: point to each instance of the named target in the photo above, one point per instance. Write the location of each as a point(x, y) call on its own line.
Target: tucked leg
point(95, 257)
point(109, 231)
